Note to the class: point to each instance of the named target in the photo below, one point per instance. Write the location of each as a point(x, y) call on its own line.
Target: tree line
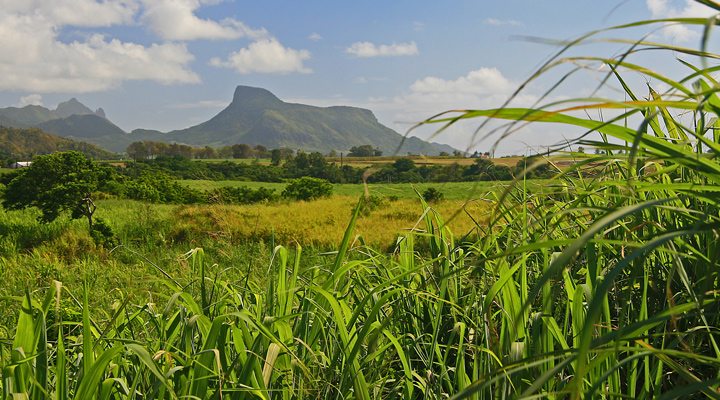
point(316, 165)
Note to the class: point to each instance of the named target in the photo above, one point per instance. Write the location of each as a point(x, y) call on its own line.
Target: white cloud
point(31, 99)
point(368, 49)
point(315, 37)
point(82, 13)
point(483, 81)
point(35, 59)
point(501, 22)
point(482, 88)
point(176, 20)
point(679, 9)
point(267, 56)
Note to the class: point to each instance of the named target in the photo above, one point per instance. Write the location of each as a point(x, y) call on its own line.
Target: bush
point(241, 195)
point(103, 234)
point(307, 188)
point(371, 203)
point(431, 194)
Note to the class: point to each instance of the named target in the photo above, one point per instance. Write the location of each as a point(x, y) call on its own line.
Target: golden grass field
point(320, 223)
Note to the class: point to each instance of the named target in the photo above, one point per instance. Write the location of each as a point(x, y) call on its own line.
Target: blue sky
point(169, 64)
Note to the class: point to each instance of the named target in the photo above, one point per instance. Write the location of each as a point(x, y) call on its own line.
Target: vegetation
point(602, 286)
point(17, 144)
point(401, 170)
point(307, 188)
point(55, 183)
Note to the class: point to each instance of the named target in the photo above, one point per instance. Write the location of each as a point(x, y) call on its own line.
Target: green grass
point(451, 190)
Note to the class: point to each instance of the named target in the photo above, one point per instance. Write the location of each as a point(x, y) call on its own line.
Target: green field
point(451, 190)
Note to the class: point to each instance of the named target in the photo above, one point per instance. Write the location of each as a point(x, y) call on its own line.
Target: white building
point(20, 164)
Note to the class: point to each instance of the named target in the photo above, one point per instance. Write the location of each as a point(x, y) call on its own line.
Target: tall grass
point(605, 288)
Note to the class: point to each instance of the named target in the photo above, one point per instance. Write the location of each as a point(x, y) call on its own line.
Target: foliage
point(159, 188)
point(102, 233)
point(432, 195)
point(307, 188)
point(241, 195)
point(55, 183)
point(365, 150)
point(20, 144)
point(534, 167)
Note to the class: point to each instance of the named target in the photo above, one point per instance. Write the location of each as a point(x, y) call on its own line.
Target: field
point(450, 190)
point(363, 162)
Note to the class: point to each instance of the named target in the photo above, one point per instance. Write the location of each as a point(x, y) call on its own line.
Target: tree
point(137, 151)
point(365, 150)
point(242, 151)
point(307, 188)
point(55, 183)
point(404, 165)
point(275, 157)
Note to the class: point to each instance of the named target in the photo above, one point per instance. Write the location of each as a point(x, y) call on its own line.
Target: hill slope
point(256, 116)
point(23, 143)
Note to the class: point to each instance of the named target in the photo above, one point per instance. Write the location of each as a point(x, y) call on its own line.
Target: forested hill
point(23, 143)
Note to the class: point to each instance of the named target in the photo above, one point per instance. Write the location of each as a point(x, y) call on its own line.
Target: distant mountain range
point(255, 117)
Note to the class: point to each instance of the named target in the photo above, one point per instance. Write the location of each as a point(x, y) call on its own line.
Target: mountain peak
point(72, 107)
point(248, 95)
point(258, 117)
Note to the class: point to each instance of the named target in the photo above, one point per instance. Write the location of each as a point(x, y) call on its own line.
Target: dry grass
point(318, 223)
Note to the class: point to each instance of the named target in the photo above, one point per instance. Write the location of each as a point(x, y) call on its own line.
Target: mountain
point(23, 143)
point(90, 128)
point(70, 119)
point(87, 126)
point(256, 116)
point(26, 116)
point(72, 107)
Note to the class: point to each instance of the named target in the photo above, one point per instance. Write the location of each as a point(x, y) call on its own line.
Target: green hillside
point(24, 143)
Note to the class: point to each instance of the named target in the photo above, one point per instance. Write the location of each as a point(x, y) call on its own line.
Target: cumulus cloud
point(35, 59)
point(482, 88)
point(267, 56)
point(82, 13)
point(315, 37)
point(176, 20)
point(368, 49)
point(501, 22)
point(679, 9)
point(30, 100)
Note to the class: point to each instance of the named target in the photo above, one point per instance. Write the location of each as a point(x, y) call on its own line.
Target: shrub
point(371, 203)
point(431, 194)
point(102, 233)
point(307, 188)
point(241, 195)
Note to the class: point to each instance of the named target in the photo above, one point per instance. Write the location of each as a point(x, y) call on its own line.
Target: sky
point(170, 64)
